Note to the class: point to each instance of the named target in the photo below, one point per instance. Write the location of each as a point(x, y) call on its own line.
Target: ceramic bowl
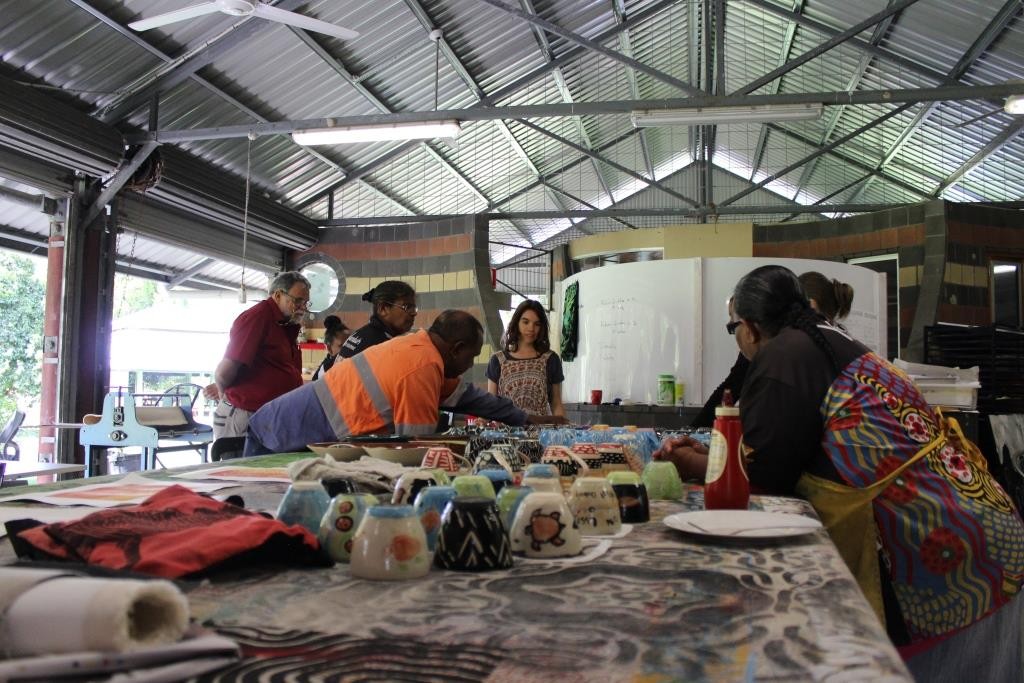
point(342, 452)
point(410, 456)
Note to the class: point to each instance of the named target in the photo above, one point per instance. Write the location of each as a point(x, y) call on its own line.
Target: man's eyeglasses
point(731, 326)
point(408, 308)
point(299, 303)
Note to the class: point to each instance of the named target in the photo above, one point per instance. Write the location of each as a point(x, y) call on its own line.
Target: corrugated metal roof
point(275, 75)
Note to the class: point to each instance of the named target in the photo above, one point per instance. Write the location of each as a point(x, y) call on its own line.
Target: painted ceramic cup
point(613, 457)
point(591, 456)
point(442, 458)
point(499, 479)
point(544, 527)
point(305, 503)
point(430, 506)
point(474, 485)
point(509, 500)
point(491, 459)
point(390, 545)
point(338, 525)
point(473, 537)
point(517, 462)
point(410, 484)
point(662, 480)
point(568, 463)
point(594, 506)
point(441, 477)
point(530, 449)
point(542, 477)
point(634, 506)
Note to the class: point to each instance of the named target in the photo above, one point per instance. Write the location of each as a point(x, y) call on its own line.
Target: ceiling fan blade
point(302, 21)
point(172, 17)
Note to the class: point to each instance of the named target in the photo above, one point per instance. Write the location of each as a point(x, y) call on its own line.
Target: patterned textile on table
point(949, 533)
point(174, 533)
point(570, 322)
point(524, 381)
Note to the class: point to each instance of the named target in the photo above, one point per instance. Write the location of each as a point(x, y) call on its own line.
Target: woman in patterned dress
point(526, 370)
point(935, 543)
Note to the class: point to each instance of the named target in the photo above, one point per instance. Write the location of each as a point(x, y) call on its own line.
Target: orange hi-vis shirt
point(392, 387)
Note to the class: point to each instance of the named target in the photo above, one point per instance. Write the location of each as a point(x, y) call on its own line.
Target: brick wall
point(446, 262)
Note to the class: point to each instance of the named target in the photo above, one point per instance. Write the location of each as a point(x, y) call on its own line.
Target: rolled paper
point(50, 612)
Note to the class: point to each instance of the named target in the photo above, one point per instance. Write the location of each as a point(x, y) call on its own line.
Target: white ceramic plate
point(410, 456)
point(342, 452)
point(742, 523)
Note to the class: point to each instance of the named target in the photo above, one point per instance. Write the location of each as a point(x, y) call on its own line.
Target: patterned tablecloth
point(657, 606)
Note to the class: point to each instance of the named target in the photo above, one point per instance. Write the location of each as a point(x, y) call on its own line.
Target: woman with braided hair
point(935, 543)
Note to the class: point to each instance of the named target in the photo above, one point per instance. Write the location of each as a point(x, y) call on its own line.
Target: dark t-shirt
point(370, 334)
point(269, 354)
point(781, 407)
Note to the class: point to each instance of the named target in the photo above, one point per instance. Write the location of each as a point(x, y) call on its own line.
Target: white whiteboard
point(639, 320)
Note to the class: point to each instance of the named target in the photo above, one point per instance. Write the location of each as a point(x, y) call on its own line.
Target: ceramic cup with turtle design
point(473, 537)
point(390, 545)
point(544, 527)
point(430, 506)
point(338, 525)
point(594, 506)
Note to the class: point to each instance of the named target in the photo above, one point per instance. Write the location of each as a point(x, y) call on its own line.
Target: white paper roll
point(55, 613)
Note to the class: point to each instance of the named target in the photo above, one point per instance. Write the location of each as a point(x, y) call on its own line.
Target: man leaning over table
point(262, 360)
point(394, 387)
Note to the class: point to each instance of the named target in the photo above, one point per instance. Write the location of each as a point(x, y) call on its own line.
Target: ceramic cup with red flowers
point(390, 545)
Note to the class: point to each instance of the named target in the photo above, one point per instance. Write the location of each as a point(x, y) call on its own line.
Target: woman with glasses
point(934, 542)
point(394, 312)
point(830, 298)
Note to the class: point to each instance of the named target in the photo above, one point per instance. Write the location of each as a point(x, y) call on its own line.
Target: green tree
point(132, 294)
point(22, 301)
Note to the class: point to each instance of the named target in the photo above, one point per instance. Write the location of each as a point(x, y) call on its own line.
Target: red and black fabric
point(175, 533)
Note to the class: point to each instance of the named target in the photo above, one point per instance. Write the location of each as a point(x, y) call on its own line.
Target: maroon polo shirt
point(269, 354)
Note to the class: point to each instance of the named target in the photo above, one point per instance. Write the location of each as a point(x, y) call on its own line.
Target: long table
point(657, 606)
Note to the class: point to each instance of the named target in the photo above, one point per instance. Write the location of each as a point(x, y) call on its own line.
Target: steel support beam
point(596, 46)
point(114, 185)
point(821, 49)
point(996, 144)
point(621, 213)
point(619, 167)
point(563, 89)
point(170, 75)
point(818, 152)
point(837, 112)
point(626, 47)
point(556, 110)
point(189, 273)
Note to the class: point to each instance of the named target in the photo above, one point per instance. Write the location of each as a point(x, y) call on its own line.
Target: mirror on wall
point(323, 286)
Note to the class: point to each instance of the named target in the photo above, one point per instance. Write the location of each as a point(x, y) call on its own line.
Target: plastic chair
point(227, 447)
point(10, 430)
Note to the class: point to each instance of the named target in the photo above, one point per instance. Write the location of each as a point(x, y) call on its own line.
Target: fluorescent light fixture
point(377, 132)
point(1005, 268)
point(651, 118)
point(1014, 104)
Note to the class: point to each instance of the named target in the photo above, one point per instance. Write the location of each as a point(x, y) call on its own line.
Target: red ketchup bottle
point(726, 486)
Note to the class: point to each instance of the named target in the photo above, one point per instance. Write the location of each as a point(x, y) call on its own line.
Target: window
point(1006, 293)
point(889, 264)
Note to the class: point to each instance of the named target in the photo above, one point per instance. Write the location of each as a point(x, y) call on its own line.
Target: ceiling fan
point(245, 8)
